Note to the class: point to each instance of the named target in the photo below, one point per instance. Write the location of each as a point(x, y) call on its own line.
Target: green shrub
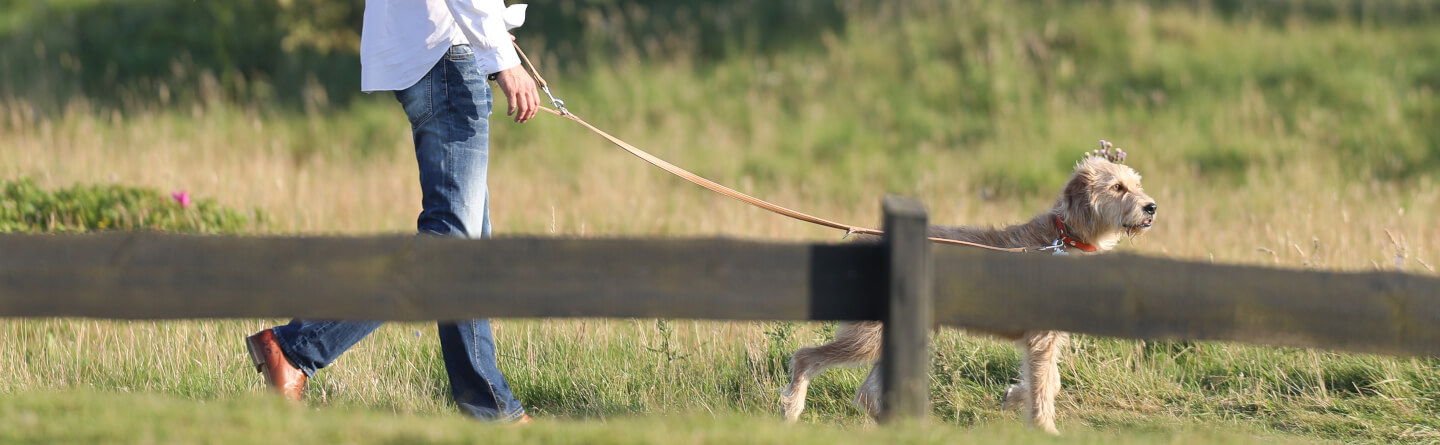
point(25, 207)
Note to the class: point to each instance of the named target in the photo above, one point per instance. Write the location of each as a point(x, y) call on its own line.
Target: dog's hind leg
point(867, 397)
point(1018, 395)
point(1040, 376)
point(854, 343)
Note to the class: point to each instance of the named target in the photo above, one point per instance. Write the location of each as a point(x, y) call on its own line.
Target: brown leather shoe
point(524, 419)
point(280, 375)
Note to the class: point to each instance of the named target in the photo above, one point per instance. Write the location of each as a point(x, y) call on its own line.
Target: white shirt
point(402, 39)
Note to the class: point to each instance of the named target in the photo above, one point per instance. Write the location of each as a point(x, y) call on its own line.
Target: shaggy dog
point(1100, 204)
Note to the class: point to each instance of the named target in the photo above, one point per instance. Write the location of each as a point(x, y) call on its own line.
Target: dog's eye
point(1120, 188)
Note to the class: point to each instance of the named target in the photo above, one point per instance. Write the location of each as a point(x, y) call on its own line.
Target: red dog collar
point(1066, 240)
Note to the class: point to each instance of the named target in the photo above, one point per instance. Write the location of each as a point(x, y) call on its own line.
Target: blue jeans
point(449, 111)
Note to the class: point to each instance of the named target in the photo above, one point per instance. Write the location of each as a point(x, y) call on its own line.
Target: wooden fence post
point(905, 363)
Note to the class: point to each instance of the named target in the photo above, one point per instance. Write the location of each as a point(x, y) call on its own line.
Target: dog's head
point(1103, 201)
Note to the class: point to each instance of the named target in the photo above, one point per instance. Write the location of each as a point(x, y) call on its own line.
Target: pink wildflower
point(181, 197)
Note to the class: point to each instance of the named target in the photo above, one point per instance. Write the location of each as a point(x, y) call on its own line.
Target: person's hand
point(522, 98)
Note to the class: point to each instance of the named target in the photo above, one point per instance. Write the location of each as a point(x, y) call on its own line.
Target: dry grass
point(606, 368)
point(1303, 216)
point(986, 138)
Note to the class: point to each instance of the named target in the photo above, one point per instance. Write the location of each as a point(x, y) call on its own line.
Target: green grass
point(585, 371)
point(161, 419)
point(1290, 134)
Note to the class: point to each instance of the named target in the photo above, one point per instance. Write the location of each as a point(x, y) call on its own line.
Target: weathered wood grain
point(905, 365)
point(156, 276)
point(1139, 297)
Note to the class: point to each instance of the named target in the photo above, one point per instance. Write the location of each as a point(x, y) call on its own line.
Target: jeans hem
point(511, 417)
point(285, 351)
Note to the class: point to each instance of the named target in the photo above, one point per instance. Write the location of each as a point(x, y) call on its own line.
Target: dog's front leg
point(1040, 377)
point(792, 398)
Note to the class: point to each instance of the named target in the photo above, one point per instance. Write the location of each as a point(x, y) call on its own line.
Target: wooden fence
point(905, 281)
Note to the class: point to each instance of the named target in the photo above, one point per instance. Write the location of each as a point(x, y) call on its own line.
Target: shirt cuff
point(500, 59)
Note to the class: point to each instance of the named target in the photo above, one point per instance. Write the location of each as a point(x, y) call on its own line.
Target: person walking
point(436, 56)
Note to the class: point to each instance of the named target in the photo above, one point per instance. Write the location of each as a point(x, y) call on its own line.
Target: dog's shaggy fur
point(1101, 203)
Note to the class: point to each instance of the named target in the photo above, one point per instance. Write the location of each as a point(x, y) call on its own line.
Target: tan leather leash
point(712, 185)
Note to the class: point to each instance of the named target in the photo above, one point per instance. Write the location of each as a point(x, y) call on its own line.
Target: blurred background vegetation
point(269, 52)
point(1352, 80)
point(1283, 132)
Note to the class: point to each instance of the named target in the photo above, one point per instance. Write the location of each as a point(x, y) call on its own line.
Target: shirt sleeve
point(483, 22)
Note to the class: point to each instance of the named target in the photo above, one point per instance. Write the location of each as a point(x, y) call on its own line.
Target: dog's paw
point(1014, 398)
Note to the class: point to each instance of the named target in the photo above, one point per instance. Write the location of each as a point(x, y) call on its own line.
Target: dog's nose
point(1150, 208)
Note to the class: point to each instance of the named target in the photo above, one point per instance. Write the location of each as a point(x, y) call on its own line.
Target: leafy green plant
point(25, 207)
point(666, 348)
point(779, 345)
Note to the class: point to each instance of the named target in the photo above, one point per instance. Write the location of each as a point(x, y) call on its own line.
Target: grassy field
point(152, 419)
point(1302, 138)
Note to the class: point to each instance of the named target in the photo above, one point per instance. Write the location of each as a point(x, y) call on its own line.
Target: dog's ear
point(1077, 192)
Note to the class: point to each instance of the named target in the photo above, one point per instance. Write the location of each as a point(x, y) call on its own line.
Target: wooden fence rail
point(901, 281)
point(1131, 296)
point(409, 278)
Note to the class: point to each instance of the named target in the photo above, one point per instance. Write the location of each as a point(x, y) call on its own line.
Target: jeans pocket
point(460, 52)
point(418, 100)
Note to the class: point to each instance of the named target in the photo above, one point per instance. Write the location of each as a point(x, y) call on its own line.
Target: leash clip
point(1058, 246)
point(559, 104)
